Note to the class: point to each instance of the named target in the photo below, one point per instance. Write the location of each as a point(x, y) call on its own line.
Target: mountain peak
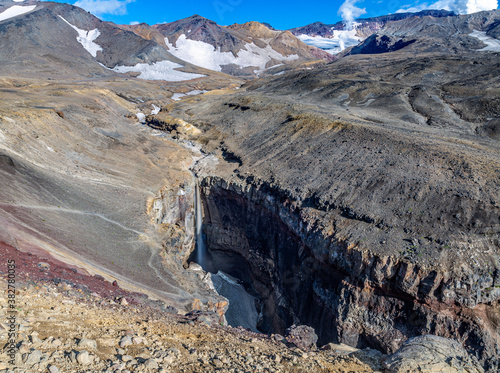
point(257, 29)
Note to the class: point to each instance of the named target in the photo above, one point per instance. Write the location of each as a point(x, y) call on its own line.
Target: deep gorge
point(258, 235)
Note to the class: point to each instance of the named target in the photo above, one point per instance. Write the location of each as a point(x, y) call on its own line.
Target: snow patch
point(86, 38)
point(155, 110)
point(492, 45)
point(196, 92)
point(206, 55)
point(340, 40)
point(178, 96)
point(18, 1)
point(162, 70)
point(141, 117)
point(15, 11)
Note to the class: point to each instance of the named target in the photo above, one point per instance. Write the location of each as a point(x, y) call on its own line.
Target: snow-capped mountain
point(476, 32)
point(56, 38)
point(334, 38)
point(242, 50)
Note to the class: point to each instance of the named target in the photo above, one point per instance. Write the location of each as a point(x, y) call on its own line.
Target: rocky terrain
point(128, 334)
point(359, 197)
point(113, 335)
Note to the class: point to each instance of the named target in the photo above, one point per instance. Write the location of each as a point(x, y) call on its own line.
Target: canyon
point(357, 195)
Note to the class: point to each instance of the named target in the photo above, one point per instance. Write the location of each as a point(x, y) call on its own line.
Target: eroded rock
point(429, 354)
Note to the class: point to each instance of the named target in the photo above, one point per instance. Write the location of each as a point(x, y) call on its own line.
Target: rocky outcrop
point(302, 336)
point(171, 210)
point(429, 354)
point(375, 44)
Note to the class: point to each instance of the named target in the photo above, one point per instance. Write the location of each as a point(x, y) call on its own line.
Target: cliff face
point(348, 294)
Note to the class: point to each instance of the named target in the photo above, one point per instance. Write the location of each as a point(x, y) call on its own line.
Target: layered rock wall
point(350, 295)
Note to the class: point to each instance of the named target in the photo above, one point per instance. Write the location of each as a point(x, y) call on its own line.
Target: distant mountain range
point(241, 50)
point(335, 38)
point(64, 39)
point(366, 26)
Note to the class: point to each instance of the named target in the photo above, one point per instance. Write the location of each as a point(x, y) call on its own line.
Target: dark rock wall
point(255, 233)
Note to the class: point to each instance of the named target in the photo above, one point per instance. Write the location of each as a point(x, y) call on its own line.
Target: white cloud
point(100, 7)
point(133, 23)
point(349, 12)
point(457, 6)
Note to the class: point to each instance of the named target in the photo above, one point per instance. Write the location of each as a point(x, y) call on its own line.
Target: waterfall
point(200, 244)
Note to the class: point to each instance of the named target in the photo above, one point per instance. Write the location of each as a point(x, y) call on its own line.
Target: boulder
point(84, 358)
point(430, 353)
point(302, 336)
point(87, 343)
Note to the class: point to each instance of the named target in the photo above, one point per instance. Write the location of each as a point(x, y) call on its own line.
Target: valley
point(356, 193)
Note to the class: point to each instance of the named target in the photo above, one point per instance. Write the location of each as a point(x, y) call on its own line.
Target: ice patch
point(86, 38)
point(340, 40)
point(178, 96)
point(196, 92)
point(242, 310)
point(206, 55)
point(162, 70)
point(141, 117)
point(492, 45)
point(15, 11)
point(155, 110)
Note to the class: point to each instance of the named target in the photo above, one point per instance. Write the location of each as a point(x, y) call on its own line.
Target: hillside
point(159, 182)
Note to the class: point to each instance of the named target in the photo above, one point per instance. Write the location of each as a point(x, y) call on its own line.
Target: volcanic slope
point(380, 175)
point(365, 26)
point(83, 182)
point(57, 41)
point(477, 32)
point(336, 37)
point(245, 50)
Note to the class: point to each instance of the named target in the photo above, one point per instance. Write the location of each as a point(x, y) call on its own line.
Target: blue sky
point(280, 14)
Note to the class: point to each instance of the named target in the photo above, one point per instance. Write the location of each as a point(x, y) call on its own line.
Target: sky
point(280, 14)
